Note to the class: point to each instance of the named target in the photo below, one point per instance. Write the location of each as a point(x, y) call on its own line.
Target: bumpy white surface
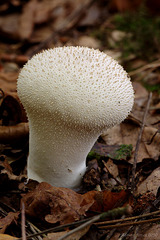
point(71, 95)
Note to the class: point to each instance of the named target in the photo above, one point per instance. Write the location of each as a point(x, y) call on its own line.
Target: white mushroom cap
point(71, 95)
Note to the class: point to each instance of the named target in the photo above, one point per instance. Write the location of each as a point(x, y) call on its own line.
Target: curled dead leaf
point(63, 205)
point(107, 200)
point(55, 204)
point(7, 221)
point(10, 134)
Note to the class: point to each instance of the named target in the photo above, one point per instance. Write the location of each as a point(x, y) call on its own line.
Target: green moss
point(152, 88)
point(124, 152)
point(93, 155)
point(143, 33)
point(100, 34)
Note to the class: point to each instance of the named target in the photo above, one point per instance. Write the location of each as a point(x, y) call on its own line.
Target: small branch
point(116, 211)
point(96, 218)
point(86, 222)
point(154, 65)
point(54, 229)
point(23, 220)
point(112, 213)
point(128, 219)
point(138, 143)
point(130, 223)
point(155, 203)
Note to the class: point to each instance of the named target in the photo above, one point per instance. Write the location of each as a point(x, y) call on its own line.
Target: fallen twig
point(156, 202)
point(114, 212)
point(23, 221)
point(153, 65)
point(84, 223)
point(133, 184)
point(128, 219)
point(129, 224)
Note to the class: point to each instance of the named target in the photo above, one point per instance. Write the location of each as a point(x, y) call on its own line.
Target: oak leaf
point(55, 204)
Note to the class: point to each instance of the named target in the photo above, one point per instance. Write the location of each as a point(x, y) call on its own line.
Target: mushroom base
point(58, 157)
point(66, 178)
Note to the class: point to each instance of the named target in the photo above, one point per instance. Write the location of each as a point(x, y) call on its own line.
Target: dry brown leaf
point(151, 139)
point(87, 41)
point(63, 205)
point(151, 183)
point(4, 6)
point(141, 96)
point(55, 236)
point(151, 232)
point(140, 91)
point(9, 77)
point(10, 134)
point(7, 237)
point(41, 34)
point(8, 83)
point(26, 21)
point(8, 220)
point(111, 167)
point(92, 16)
point(9, 25)
point(92, 176)
point(55, 204)
point(20, 59)
point(127, 133)
point(46, 9)
point(125, 5)
point(106, 200)
point(56, 14)
point(11, 111)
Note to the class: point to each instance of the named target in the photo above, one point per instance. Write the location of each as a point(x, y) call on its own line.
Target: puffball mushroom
point(71, 95)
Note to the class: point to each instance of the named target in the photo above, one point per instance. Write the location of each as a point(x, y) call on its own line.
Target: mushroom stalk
point(71, 95)
point(58, 145)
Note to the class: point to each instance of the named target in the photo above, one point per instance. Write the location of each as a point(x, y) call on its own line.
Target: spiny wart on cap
point(71, 95)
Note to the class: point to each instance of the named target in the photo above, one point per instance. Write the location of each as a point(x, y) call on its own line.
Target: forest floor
point(120, 195)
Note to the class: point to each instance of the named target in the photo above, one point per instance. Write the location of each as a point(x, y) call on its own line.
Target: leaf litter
point(106, 184)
